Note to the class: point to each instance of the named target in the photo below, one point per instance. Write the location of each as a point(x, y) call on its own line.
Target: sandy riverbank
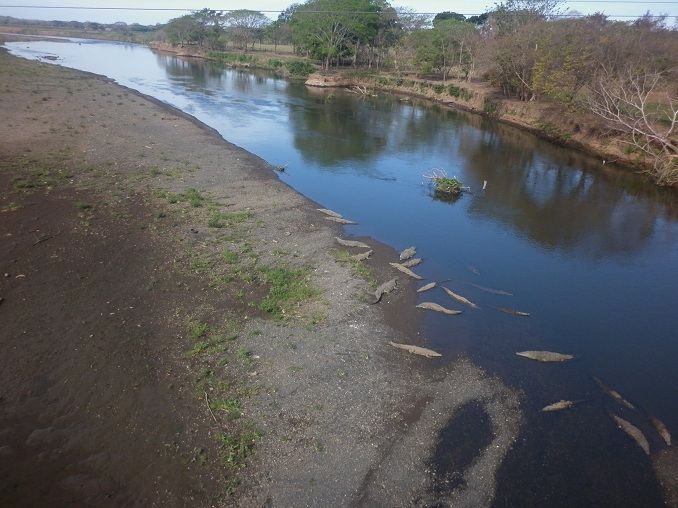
point(140, 364)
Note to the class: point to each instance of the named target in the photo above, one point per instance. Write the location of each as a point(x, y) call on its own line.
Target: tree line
point(119, 26)
point(624, 72)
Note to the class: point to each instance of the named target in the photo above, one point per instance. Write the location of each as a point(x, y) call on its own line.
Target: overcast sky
point(151, 17)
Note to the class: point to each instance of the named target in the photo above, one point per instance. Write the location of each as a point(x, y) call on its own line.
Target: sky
point(18, 8)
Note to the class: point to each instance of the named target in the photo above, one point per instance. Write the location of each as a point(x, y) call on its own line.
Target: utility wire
point(170, 9)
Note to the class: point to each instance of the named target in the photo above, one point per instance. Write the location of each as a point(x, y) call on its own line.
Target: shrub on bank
point(232, 57)
point(459, 92)
point(299, 68)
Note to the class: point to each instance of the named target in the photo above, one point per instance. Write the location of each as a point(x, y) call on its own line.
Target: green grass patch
point(199, 348)
point(446, 184)
point(231, 257)
point(236, 448)
point(35, 179)
point(230, 406)
point(221, 220)
point(216, 220)
point(191, 196)
point(300, 68)
point(245, 358)
point(459, 92)
point(198, 330)
point(194, 197)
point(287, 290)
point(359, 268)
point(201, 266)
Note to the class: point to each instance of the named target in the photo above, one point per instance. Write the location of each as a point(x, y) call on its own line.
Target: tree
point(183, 30)
point(628, 101)
point(564, 60)
point(442, 16)
point(279, 32)
point(516, 27)
point(210, 29)
point(386, 35)
point(449, 44)
point(244, 26)
point(331, 30)
point(411, 21)
point(479, 20)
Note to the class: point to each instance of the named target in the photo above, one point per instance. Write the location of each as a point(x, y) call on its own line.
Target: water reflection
point(555, 203)
point(334, 129)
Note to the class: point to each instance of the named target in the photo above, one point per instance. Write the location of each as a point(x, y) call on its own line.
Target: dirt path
point(178, 327)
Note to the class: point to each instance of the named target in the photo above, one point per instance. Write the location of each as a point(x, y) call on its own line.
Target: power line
point(175, 9)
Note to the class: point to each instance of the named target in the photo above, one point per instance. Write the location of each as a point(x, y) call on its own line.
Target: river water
point(590, 251)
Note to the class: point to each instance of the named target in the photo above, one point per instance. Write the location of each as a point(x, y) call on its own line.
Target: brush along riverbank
point(178, 325)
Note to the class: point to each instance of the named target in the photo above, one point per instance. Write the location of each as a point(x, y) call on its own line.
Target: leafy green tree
point(331, 30)
point(183, 30)
point(210, 28)
point(442, 16)
point(479, 20)
point(386, 36)
point(449, 44)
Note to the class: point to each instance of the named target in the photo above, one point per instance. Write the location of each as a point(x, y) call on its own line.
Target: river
point(590, 251)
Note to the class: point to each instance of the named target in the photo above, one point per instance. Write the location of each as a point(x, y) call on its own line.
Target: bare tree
point(633, 103)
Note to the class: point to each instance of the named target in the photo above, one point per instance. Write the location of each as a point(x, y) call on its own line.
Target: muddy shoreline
point(108, 240)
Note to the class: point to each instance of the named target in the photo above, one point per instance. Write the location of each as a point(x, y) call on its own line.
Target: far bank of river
point(573, 129)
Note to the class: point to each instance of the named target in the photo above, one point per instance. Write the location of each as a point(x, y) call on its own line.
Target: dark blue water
point(589, 251)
